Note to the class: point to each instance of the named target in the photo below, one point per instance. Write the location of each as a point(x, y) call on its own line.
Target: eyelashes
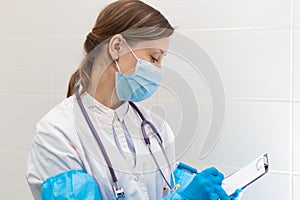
point(154, 59)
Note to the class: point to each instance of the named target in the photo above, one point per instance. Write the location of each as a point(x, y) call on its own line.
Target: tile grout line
point(236, 29)
point(259, 99)
point(284, 172)
point(281, 100)
point(288, 100)
point(46, 53)
point(291, 179)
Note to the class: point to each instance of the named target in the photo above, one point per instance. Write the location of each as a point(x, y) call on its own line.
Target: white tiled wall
point(13, 167)
point(296, 188)
point(254, 47)
point(297, 12)
point(62, 57)
point(252, 63)
point(22, 18)
point(250, 130)
point(195, 14)
point(21, 109)
point(278, 187)
point(297, 64)
point(296, 138)
point(23, 61)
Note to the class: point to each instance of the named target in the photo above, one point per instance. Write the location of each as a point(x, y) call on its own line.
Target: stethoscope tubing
point(144, 123)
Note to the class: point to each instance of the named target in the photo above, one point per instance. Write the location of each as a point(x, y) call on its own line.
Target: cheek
point(127, 64)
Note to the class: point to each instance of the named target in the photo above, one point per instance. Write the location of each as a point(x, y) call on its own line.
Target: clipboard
point(247, 175)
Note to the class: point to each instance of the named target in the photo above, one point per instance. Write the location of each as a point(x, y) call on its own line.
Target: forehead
point(162, 44)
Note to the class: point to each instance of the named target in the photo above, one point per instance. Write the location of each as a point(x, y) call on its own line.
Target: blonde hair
point(134, 19)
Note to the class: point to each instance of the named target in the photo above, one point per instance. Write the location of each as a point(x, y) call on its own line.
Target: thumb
point(222, 194)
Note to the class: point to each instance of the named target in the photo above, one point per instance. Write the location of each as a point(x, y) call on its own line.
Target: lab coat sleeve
point(51, 153)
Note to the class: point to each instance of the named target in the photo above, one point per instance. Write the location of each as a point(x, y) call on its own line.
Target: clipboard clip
point(262, 162)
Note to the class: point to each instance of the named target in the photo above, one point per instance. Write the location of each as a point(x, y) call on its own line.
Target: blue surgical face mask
point(141, 84)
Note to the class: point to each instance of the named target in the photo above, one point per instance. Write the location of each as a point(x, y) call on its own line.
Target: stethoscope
point(119, 191)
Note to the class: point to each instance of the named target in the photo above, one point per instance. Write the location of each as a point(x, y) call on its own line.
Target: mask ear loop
point(131, 50)
point(119, 69)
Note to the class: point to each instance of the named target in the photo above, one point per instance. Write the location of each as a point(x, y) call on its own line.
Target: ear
point(115, 46)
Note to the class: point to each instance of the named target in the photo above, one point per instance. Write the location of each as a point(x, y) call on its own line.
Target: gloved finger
point(209, 178)
point(222, 194)
point(213, 171)
point(216, 180)
point(237, 194)
point(213, 196)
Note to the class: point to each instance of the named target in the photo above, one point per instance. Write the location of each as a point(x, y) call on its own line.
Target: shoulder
point(63, 110)
point(59, 121)
point(56, 137)
point(52, 148)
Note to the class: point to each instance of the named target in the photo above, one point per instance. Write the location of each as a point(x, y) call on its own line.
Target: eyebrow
point(161, 51)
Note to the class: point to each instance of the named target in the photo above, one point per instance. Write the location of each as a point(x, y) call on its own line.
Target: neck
point(104, 91)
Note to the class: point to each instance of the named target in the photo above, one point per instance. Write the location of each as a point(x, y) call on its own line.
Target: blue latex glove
point(236, 195)
point(205, 186)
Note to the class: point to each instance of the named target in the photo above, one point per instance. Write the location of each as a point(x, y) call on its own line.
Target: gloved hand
point(236, 195)
point(205, 186)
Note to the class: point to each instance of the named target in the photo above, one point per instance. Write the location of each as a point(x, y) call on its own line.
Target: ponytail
point(72, 82)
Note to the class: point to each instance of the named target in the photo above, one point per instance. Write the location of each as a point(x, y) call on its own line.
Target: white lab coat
point(64, 142)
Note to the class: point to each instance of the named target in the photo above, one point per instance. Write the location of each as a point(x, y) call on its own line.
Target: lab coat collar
point(92, 104)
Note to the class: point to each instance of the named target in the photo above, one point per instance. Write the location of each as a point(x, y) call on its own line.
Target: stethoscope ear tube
point(99, 142)
point(145, 136)
point(145, 123)
point(119, 191)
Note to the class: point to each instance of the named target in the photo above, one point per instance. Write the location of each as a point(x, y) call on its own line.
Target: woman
point(91, 145)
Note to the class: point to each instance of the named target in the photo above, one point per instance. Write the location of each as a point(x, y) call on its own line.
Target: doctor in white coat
point(123, 64)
